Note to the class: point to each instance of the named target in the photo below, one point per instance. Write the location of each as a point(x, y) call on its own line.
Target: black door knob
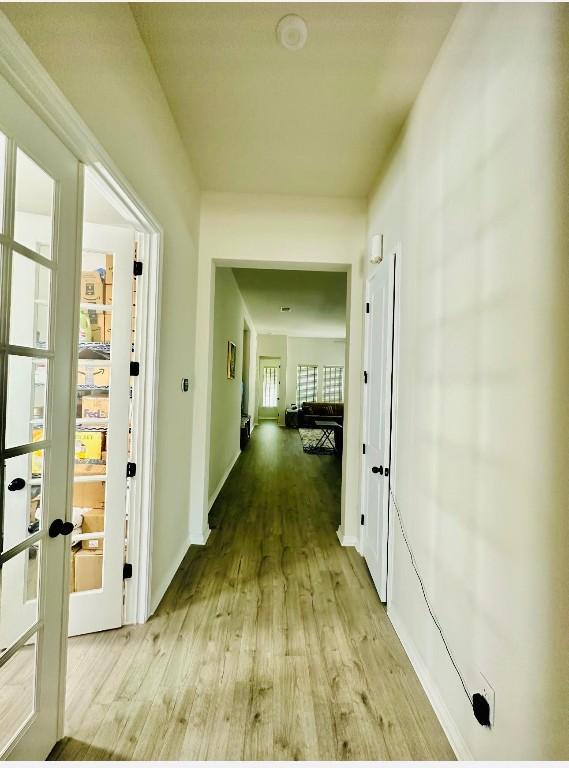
point(17, 484)
point(379, 469)
point(59, 528)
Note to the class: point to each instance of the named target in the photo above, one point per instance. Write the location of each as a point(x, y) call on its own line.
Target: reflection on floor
point(270, 643)
point(17, 678)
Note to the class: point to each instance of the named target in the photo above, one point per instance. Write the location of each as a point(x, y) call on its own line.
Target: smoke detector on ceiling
point(285, 309)
point(292, 32)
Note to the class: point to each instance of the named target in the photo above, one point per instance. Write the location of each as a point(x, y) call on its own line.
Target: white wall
point(476, 191)
point(280, 232)
point(230, 316)
point(306, 351)
point(95, 55)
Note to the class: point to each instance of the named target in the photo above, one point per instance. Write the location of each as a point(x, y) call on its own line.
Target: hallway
point(270, 643)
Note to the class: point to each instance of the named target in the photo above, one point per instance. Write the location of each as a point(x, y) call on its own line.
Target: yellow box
point(88, 445)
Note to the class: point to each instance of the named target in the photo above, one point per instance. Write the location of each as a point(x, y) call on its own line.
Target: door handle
point(379, 469)
point(17, 484)
point(59, 528)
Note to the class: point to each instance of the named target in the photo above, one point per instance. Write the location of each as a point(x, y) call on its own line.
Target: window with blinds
point(333, 384)
point(270, 386)
point(306, 383)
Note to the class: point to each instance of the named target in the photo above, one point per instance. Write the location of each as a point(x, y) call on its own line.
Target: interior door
point(270, 375)
point(102, 429)
point(378, 397)
point(39, 180)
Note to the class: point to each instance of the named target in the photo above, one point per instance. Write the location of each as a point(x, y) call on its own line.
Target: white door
point(39, 179)
point(270, 379)
point(377, 399)
point(102, 430)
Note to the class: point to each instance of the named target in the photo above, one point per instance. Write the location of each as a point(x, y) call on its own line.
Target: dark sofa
point(310, 412)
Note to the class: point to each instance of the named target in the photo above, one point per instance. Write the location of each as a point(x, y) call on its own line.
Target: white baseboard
point(347, 541)
point(444, 717)
point(221, 483)
point(167, 580)
point(200, 539)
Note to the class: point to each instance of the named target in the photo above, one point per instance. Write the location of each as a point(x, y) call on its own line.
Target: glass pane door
point(102, 419)
point(38, 202)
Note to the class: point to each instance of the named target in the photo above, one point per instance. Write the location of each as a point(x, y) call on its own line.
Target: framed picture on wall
point(231, 354)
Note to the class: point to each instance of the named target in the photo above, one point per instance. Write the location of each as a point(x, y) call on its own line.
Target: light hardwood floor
point(270, 643)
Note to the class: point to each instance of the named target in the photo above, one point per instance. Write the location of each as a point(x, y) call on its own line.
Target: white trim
point(444, 717)
point(137, 607)
point(20, 67)
point(347, 541)
point(221, 483)
point(394, 411)
point(160, 591)
point(200, 539)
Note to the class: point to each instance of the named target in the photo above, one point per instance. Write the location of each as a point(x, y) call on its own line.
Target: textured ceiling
point(258, 118)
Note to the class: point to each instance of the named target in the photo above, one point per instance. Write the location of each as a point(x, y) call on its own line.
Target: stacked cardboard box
point(95, 407)
point(87, 570)
point(87, 557)
point(90, 452)
point(92, 376)
point(91, 288)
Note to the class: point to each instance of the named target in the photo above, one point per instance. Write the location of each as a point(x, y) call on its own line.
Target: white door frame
point(260, 366)
point(20, 67)
point(394, 252)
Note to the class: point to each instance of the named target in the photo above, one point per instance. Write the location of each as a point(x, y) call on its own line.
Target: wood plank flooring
point(270, 643)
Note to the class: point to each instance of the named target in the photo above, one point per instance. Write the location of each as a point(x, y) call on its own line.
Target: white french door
point(377, 420)
point(102, 431)
point(39, 185)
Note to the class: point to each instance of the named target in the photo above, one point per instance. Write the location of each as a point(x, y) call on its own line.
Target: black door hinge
point(365, 377)
point(130, 469)
point(362, 518)
point(367, 307)
point(127, 571)
point(364, 448)
point(134, 369)
point(137, 268)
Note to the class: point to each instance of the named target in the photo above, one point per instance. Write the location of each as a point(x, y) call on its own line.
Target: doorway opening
point(295, 346)
point(269, 388)
point(117, 341)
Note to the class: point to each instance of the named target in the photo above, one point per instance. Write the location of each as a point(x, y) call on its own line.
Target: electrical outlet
point(488, 692)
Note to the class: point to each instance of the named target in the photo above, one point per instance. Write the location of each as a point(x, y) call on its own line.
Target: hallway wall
point(95, 55)
point(230, 314)
point(475, 191)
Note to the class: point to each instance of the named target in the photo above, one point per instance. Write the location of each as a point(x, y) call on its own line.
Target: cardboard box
point(93, 521)
point(88, 570)
point(95, 407)
point(92, 376)
point(90, 495)
point(109, 268)
point(72, 569)
point(89, 444)
point(108, 293)
point(108, 331)
point(90, 468)
point(91, 288)
point(93, 545)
